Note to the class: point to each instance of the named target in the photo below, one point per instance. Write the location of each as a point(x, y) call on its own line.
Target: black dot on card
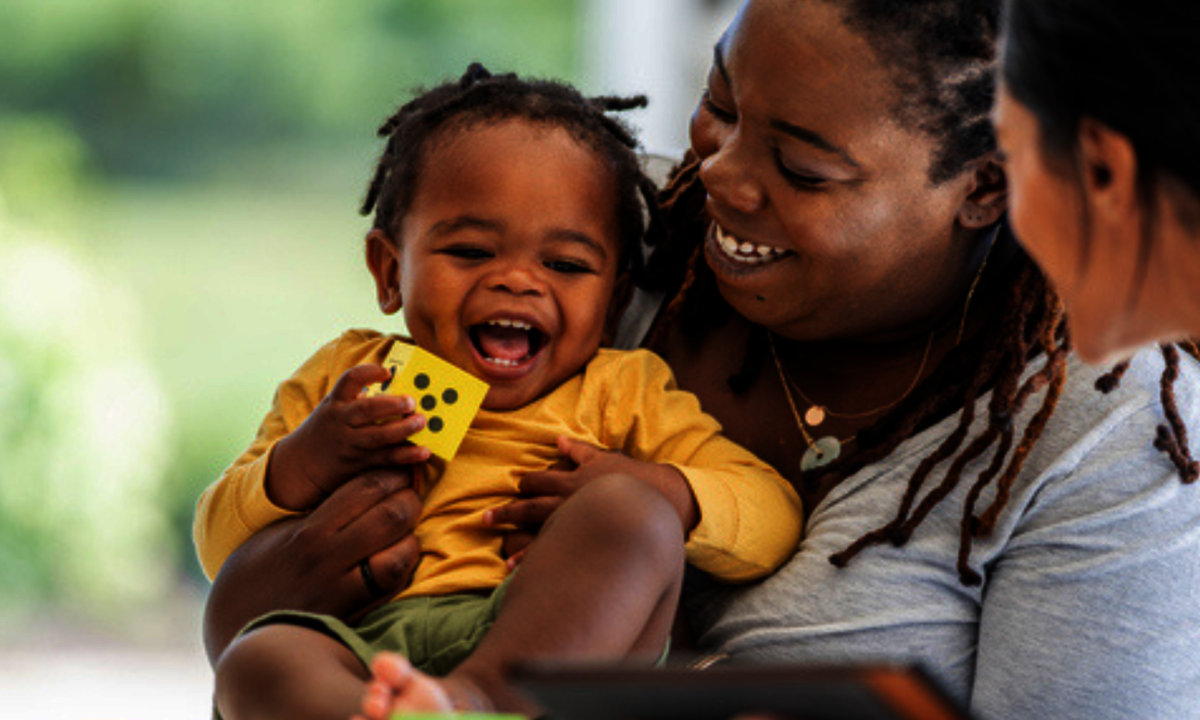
point(450, 396)
point(421, 381)
point(435, 424)
point(428, 402)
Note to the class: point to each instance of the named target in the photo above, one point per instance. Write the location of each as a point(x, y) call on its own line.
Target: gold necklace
point(816, 414)
point(818, 453)
point(824, 450)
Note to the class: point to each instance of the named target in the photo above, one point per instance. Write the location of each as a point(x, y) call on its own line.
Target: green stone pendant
point(824, 451)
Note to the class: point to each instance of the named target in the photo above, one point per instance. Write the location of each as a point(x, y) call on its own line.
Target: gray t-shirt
point(1090, 604)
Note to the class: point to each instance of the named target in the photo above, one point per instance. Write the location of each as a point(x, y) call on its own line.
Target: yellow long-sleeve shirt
point(750, 518)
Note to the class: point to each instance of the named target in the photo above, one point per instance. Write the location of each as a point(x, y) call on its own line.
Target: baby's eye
point(466, 252)
point(569, 267)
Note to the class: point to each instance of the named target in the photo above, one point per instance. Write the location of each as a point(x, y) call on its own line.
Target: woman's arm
point(311, 563)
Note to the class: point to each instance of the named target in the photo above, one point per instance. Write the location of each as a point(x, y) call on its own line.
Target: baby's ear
point(383, 260)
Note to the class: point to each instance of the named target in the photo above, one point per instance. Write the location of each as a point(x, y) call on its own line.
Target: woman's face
point(825, 222)
point(1095, 268)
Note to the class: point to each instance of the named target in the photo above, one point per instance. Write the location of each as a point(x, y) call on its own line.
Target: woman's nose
point(727, 182)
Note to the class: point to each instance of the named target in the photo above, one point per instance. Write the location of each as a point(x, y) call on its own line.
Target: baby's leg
point(287, 671)
point(601, 582)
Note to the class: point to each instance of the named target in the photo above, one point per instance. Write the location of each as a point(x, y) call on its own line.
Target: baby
point(509, 216)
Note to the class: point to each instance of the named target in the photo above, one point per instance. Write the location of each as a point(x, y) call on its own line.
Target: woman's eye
point(800, 180)
point(716, 110)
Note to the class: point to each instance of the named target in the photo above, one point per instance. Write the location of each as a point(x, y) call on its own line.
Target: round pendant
point(824, 451)
point(814, 416)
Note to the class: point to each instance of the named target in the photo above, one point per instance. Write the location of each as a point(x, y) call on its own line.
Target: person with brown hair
point(840, 289)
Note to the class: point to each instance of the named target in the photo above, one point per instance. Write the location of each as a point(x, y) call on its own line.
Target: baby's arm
point(345, 435)
point(237, 504)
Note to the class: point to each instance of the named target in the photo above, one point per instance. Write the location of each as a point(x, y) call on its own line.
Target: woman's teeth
point(745, 252)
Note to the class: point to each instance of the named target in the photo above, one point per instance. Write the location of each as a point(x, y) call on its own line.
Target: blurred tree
point(84, 431)
point(156, 87)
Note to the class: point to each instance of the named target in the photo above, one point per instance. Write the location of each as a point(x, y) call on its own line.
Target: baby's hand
point(541, 493)
point(344, 436)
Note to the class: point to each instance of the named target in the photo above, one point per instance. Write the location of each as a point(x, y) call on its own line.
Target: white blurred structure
point(661, 48)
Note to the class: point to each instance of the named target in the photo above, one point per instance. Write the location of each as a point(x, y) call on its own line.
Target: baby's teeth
point(511, 323)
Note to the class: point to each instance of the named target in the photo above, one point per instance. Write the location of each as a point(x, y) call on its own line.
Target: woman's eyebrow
point(719, 62)
point(804, 135)
point(816, 140)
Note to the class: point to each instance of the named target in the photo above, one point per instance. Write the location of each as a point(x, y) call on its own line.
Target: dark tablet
point(792, 692)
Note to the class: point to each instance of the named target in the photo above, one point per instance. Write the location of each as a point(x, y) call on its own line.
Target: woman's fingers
point(388, 520)
point(359, 495)
point(531, 511)
point(388, 573)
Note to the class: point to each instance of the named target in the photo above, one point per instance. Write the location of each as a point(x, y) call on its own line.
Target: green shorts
point(435, 633)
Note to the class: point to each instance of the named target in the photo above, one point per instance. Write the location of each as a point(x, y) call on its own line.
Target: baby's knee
point(624, 509)
point(251, 665)
point(264, 668)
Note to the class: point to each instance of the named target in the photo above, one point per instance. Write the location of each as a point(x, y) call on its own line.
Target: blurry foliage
point(84, 431)
point(157, 87)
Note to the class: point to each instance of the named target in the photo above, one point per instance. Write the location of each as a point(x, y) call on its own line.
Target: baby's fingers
point(350, 385)
point(533, 511)
point(381, 434)
point(379, 409)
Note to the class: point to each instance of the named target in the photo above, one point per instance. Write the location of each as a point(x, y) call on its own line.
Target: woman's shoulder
point(1089, 419)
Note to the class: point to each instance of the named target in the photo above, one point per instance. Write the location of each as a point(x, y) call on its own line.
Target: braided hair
point(943, 55)
point(479, 97)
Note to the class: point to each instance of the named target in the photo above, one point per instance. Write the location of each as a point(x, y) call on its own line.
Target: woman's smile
point(744, 251)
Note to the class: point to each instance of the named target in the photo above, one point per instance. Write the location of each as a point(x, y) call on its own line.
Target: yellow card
point(447, 396)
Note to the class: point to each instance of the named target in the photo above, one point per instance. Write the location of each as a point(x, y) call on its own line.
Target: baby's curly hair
point(479, 97)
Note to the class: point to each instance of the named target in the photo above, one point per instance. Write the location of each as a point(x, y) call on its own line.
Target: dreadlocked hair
point(943, 55)
point(943, 59)
point(479, 97)
point(1033, 326)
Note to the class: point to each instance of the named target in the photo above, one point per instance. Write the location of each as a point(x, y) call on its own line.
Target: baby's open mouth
point(508, 343)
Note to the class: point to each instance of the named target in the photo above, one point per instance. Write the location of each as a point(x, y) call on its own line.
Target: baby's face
point(508, 256)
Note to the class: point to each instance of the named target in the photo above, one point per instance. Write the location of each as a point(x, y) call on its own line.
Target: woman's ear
point(383, 260)
point(1109, 165)
point(987, 193)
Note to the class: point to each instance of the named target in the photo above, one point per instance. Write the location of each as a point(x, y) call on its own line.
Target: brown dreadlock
point(944, 55)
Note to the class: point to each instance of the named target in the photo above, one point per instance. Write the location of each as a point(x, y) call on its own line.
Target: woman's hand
point(312, 563)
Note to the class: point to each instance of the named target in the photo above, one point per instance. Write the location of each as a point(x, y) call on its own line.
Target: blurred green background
point(179, 184)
